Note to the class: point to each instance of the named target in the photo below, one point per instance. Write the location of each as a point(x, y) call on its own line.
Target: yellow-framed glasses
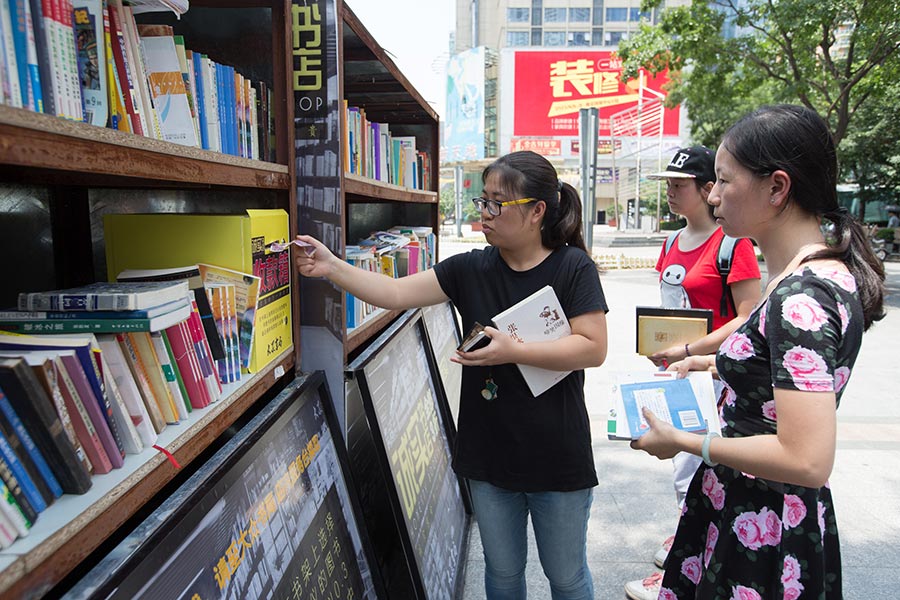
point(493, 207)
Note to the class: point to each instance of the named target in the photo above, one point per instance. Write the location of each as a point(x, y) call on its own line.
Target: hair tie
point(559, 185)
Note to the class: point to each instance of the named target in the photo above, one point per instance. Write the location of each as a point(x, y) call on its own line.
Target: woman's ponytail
point(564, 226)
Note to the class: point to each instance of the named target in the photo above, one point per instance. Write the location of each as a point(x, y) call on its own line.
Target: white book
point(131, 440)
point(9, 53)
point(8, 533)
point(689, 403)
point(117, 367)
point(167, 90)
point(211, 101)
point(88, 23)
point(537, 318)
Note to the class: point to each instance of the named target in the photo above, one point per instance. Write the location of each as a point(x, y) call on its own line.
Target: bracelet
point(704, 449)
point(687, 350)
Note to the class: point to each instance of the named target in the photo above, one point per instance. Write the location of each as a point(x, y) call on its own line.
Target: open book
point(688, 404)
point(537, 318)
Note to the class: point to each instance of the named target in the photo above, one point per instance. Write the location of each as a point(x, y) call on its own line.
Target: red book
point(188, 367)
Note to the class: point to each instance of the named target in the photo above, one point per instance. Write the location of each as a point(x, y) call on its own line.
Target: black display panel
point(270, 515)
point(395, 384)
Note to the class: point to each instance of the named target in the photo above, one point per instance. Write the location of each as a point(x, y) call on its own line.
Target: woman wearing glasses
point(521, 454)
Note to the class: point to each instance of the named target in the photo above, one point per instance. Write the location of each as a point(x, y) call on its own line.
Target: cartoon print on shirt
point(671, 287)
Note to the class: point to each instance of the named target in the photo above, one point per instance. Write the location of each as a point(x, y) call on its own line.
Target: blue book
point(20, 41)
point(26, 483)
point(672, 400)
point(231, 111)
point(197, 59)
point(29, 445)
point(223, 101)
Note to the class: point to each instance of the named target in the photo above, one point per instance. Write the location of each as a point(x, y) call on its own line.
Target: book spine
point(13, 511)
point(13, 95)
point(200, 87)
point(95, 378)
point(95, 409)
point(130, 438)
point(16, 495)
point(179, 379)
point(30, 447)
point(50, 326)
point(34, 73)
point(82, 422)
point(17, 443)
point(48, 378)
point(8, 533)
point(168, 375)
point(26, 483)
point(188, 365)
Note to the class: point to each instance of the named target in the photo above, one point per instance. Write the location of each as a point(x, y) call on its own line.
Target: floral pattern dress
point(746, 538)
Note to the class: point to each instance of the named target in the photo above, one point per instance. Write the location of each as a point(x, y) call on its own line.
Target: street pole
point(587, 132)
point(458, 190)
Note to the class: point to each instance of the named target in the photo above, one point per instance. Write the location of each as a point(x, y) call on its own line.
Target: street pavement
point(634, 505)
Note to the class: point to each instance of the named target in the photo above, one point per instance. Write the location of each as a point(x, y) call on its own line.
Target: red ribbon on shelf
point(169, 455)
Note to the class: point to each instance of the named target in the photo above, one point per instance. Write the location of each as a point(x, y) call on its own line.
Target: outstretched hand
point(661, 440)
point(315, 260)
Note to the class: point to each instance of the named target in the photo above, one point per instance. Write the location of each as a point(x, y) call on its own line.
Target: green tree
point(726, 57)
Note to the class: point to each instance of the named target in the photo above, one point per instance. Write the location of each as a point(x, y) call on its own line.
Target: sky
point(416, 35)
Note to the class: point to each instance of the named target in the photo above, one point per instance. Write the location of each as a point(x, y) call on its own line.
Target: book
point(659, 328)
point(131, 441)
point(87, 352)
point(31, 495)
point(90, 49)
point(23, 444)
point(10, 507)
point(31, 403)
point(475, 339)
point(191, 275)
point(139, 346)
point(81, 419)
point(238, 242)
point(47, 67)
point(23, 324)
point(188, 364)
point(105, 296)
point(537, 318)
point(120, 372)
point(8, 533)
point(167, 88)
point(169, 369)
point(246, 293)
point(147, 313)
point(142, 381)
point(46, 370)
point(688, 404)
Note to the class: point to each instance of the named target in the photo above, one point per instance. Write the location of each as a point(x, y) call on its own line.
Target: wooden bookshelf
point(58, 179)
point(73, 526)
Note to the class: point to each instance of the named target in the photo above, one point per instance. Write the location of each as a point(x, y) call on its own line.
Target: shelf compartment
point(369, 327)
point(75, 153)
point(75, 525)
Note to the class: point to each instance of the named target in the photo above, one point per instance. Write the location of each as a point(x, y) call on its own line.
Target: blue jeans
point(560, 523)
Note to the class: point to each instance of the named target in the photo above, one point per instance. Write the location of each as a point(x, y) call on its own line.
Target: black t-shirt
point(516, 441)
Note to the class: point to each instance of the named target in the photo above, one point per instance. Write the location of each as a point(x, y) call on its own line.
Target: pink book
point(89, 400)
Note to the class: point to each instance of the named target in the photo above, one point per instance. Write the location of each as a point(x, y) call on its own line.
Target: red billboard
point(551, 87)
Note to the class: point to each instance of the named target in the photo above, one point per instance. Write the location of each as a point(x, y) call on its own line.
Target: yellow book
point(238, 242)
point(144, 347)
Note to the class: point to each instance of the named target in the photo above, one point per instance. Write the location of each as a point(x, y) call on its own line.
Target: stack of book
point(400, 251)
point(142, 79)
point(109, 367)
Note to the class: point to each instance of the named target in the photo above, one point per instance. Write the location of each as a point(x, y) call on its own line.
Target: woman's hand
point(666, 357)
point(315, 260)
point(500, 350)
point(661, 440)
point(691, 363)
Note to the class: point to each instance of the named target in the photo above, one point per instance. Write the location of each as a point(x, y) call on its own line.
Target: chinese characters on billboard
point(551, 87)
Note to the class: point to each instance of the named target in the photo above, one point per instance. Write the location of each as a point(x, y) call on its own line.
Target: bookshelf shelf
point(72, 527)
point(76, 152)
point(363, 189)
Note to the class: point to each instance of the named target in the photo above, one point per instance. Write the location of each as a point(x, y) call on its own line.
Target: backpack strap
point(723, 263)
point(670, 241)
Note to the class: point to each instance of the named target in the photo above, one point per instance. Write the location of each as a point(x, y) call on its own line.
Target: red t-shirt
point(691, 279)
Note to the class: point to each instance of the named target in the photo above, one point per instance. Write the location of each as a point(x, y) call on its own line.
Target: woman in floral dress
point(758, 521)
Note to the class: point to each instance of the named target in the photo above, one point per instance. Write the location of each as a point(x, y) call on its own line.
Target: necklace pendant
point(490, 389)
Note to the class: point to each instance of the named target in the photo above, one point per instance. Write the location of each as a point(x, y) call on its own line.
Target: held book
point(105, 296)
point(537, 318)
point(688, 404)
point(661, 328)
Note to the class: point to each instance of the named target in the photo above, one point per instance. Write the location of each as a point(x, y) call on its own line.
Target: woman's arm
point(420, 289)
point(585, 347)
point(802, 452)
point(746, 294)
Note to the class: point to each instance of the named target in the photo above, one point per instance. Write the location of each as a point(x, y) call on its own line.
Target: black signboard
point(269, 516)
point(443, 333)
point(400, 457)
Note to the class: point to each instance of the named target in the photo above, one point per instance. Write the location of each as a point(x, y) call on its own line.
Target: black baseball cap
point(695, 162)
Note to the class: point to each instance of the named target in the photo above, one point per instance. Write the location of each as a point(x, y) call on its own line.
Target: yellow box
point(239, 242)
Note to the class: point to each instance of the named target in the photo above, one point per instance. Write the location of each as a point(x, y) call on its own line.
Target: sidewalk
point(634, 505)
